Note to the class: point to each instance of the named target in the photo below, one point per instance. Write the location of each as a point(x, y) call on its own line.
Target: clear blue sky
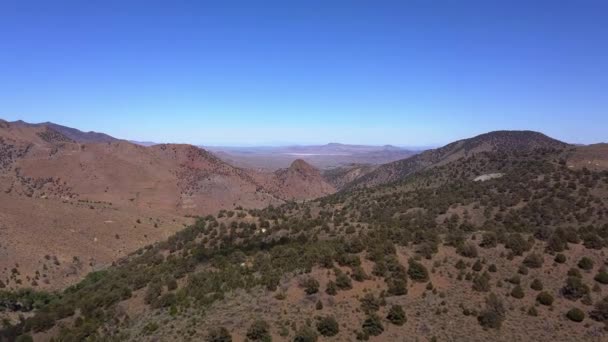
point(262, 72)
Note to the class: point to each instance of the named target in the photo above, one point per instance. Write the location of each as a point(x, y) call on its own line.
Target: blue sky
point(276, 72)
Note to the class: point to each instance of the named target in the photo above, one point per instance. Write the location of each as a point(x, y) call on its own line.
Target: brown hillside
point(99, 201)
point(593, 157)
point(301, 181)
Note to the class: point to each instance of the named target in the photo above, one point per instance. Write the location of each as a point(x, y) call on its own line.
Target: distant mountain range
point(327, 156)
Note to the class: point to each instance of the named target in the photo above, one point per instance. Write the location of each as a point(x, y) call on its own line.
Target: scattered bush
point(489, 240)
point(517, 244)
point(305, 334)
point(467, 250)
point(24, 338)
point(328, 326)
point(494, 313)
point(331, 288)
point(259, 331)
point(585, 263)
point(517, 292)
point(574, 288)
point(536, 285)
point(601, 277)
point(220, 334)
point(343, 281)
point(481, 283)
point(560, 258)
point(372, 325)
point(477, 266)
point(417, 271)
point(396, 315)
point(544, 298)
point(574, 272)
point(310, 285)
point(576, 315)
point(369, 303)
point(397, 287)
point(600, 313)
point(533, 260)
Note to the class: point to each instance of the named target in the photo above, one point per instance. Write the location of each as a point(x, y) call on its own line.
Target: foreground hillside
point(500, 244)
point(95, 198)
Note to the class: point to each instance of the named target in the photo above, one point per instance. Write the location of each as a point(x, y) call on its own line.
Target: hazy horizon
point(278, 144)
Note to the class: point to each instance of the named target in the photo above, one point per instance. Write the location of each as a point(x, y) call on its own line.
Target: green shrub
point(343, 281)
point(396, 315)
point(544, 298)
point(576, 315)
point(369, 303)
point(536, 285)
point(154, 291)
point(600, 312)
point(477, 266)
point(574, 272)
point(328, 326)
point(517, 292)
point(489, 240)
point(517, 244)
point(397, 287)
point(574, 288)
point(481, 283)
point(533, 260)
point(331, 288)
point(467, 250)
point(310, 285)
point(560, 258)
point(358, 274)
point(601, 277)
point(585, 263)
point(24, 338)
point(493, 314)
point(305, 334)
point(417, 271)
point(42, 321)
point(259, 331)
point(150, 328)
point(515, 280)
point(220, 334)
point(372, 325)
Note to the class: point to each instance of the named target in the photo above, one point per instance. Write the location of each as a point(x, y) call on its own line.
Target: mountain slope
point(101, 200)
point(504, 141)
point(436, 255)
point(302, 181)
point(72, 133)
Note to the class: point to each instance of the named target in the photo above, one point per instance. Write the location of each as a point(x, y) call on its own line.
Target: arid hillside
point(504, 244)
point(503, 141)
point(97, 200)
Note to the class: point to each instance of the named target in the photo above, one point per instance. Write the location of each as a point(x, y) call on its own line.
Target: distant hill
point(143, 143)
point(326, 156)
point(505, 141)
point(72, 133)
